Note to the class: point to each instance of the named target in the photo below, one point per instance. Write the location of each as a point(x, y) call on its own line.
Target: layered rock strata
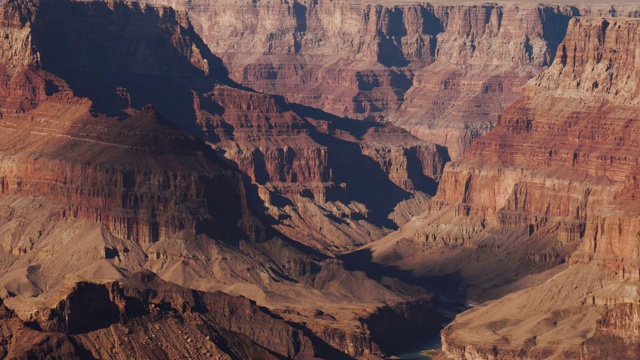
point(291, 152)
point(87, 198)
point(552, 183)
point(152, 184)
point(312, 167)
point(443, 71)
point(96, 186)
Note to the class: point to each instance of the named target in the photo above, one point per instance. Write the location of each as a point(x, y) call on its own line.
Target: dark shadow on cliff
point(125, 57)
point(398, 328)
point(390, 41)
point(422, 182)
point(449, 302)
point(365, 181)
point(389, 53)
point(554, 27)
point(446, 286)
point(357, 128)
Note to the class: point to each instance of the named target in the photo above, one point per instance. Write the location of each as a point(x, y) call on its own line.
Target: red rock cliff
point(444, 72)
point(560, 166)
point(86, 195)
point(142, 178)
point(152, 55)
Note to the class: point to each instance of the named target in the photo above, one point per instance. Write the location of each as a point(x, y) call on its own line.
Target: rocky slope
point(87, 198)
point(95, 186)
point(444, 71)
point(553, 183)
point(292, 153)
point(145, 317)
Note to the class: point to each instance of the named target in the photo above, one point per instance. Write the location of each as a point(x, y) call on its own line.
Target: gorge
point(316, 179)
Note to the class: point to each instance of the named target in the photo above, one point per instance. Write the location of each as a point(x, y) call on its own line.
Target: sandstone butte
point(222, 221)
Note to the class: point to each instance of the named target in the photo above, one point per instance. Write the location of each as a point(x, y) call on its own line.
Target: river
point(448, 310)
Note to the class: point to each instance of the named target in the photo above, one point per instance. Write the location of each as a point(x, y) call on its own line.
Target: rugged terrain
point(302, 160)
point(96, 186)
point(145, 317)
point(443, 70)
point(146, 169)
point(551, 187)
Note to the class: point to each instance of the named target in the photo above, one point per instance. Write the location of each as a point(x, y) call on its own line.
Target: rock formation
point(291, 152)
point(146, 317)
point(444, 71)
point(95, 186)
point(552, 184)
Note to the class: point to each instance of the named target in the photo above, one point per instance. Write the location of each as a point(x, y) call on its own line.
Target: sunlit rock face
point(562, 166)
point(443, 71)
point(113, 122)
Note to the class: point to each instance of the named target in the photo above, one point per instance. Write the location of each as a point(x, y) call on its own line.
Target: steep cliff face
point(591, 66)
point(152, 55)
point(147, 55)
point(442, 71)
point(146, 185)
point(102, 186)
point(557, 174)
point(485, 53)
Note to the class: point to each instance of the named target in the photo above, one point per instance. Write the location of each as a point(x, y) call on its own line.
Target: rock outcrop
point(443, 71)
point(96, 186)
point(146, 317)
point(553, 183)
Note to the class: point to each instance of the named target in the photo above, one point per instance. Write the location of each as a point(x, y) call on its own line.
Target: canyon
point(314, 179)
point(442, 70)
point(293, 154)
point(111, 166)
point(540, 212)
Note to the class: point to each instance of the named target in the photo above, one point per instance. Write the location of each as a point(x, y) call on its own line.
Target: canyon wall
point(90, 197)
point(166, 184)
point(95, 186)
point(554, 182)
point(294, 154)
point(443, 71)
